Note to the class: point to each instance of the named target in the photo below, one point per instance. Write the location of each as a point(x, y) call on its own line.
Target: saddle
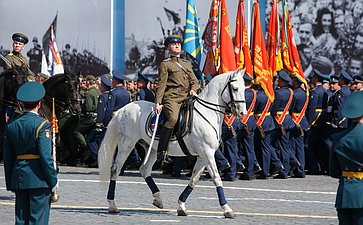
point(182, 127)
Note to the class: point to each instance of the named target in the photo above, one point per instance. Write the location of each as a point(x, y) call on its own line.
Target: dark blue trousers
point(281, 144)
point(248, 147)
point(298, 150)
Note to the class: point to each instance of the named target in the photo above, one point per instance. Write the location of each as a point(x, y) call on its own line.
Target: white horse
point(127, 128)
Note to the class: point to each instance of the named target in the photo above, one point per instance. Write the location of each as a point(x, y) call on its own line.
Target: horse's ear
point(240, 71)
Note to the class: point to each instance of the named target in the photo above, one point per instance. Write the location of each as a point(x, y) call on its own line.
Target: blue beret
point(283, 75)
point(20, 37)
point(352, 106)
point(118, 76)
point(30, 92)
point(173, 39)
point(247, 77)
point(346, 75)
point(106, 80)
point(141, 77)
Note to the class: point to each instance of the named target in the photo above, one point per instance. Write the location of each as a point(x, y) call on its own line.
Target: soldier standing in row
point(176, 81)
point(28, 163)
point(35, 56)
point(144, 92)
point(15, 58)
point(346, 161)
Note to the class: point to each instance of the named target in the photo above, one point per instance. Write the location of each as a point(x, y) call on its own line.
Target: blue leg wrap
point(221, 197)
point(111, 190)
point(150, 182)
point(185, 194)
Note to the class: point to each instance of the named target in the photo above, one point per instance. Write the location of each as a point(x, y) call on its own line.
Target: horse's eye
point(235, 88)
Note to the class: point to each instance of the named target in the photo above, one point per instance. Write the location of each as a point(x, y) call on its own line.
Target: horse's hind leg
point(197, 171)
point(145, 171)
point(212, 168)
point(125, 146)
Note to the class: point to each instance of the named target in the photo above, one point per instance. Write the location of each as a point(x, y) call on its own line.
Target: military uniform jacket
point(318, 101)
point(347, 155)
point(18, 60)
point(145, 94)
point(298, 104)
point(91, 100)
point(268, 124)
point(251, 122)
point(175, 81)
point(338, 119)
point(119, 98)
point(20, 138)
point(282, 96)
point(103, 106)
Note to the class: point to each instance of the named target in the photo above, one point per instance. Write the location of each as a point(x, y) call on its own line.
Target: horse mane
point(53, 80)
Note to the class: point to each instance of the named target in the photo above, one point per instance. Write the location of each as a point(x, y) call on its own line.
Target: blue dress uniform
point(29, 167)
point(315, 116)
point(346, 163)
point(280, 139)
point(247, 135)
point(144, 93)
point(263, 146)
point(297, 134)
point(95, 136)
point(119, 95)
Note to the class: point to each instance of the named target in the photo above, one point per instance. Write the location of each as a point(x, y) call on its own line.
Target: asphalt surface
point(83, 200)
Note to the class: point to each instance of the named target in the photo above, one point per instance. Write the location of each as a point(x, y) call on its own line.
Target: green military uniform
point(346, 164)
point(87, 120)
point(28, 163)
point(176, 79)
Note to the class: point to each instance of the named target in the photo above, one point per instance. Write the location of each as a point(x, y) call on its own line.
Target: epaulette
point(166, 60)
point(10, 53)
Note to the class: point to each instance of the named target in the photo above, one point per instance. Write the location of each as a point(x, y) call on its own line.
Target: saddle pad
point(150, 124)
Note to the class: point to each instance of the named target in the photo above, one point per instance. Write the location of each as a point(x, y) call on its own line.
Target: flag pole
point(55, 196)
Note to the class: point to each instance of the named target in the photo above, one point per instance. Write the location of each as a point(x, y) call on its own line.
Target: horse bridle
point(230, 106)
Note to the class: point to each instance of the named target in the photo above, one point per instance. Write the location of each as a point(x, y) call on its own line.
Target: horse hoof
point(229, 215)
point(158, 204)
point(113, 210)
point(181, 212)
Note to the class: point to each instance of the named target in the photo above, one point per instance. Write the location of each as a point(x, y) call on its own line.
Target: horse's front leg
point(145, 171)
point(212, 168)
point(197, 171)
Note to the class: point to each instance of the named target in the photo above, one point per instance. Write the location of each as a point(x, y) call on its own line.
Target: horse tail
point(107, 150)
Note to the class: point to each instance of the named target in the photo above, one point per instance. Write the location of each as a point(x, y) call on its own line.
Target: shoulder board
point(166, 60)
point(10, 53)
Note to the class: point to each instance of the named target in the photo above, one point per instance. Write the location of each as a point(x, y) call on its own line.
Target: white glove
point(55, 188)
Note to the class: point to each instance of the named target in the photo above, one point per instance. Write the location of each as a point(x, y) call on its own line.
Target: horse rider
point(15, 58)
point(176, 81)
point(95, 136)
point(87, 119)
point(297, 112)
point(144, 92)
point(315, 115)
point(346, 162)
point(28, 163)
point(35, 56)
point(246, 134)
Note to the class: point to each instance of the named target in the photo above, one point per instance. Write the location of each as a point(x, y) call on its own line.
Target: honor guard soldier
point(358, 82)
point(144, 92)
point(346, 163)
point(246, 134)
point(87, 119)
point(95, 136)
point(298, 108)
point(176, 81)
point(35, 56)
point(317, 105)
point(15, 58)
point(265, 126)
point(119, 95)
point(28, 163)
point(280, 112)
point(339, 121)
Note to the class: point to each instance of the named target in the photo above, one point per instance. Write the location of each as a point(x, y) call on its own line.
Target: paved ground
point(83, 201)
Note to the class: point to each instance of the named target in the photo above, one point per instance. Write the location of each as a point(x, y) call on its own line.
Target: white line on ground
point(269, 199)
point(166, 221)
point(203, 186)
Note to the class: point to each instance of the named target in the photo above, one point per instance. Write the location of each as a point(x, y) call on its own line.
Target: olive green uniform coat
point(174, 85)
point(18, 60)
point(347, 155)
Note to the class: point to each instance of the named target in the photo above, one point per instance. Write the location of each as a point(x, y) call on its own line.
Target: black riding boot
point(164, 142)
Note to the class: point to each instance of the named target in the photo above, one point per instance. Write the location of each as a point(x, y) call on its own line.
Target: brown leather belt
point(27, 156)
point(350, 174)
point(183, 89)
